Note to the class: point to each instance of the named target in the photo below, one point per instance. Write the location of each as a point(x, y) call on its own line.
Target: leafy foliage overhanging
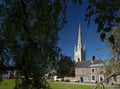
point(105, 13)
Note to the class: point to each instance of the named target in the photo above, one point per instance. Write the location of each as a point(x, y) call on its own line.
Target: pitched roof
point(82, 64)
point(86, 64)
point(98, 61)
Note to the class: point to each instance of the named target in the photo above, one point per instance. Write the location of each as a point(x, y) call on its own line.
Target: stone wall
point(71, 79)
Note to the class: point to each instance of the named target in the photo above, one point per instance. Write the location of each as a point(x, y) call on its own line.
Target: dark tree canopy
point(105, 13)
point(28, 37)
point(65, 67)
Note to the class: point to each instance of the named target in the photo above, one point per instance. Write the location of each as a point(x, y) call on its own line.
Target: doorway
point(81, 79)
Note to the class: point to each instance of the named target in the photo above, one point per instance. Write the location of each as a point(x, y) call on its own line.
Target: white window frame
point(102, 77)
point(94, 76)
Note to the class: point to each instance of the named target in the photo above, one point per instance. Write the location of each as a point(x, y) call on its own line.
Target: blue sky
point(69, 34)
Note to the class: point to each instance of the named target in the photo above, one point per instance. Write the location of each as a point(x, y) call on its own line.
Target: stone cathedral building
point(87, 70)
point(79, 50)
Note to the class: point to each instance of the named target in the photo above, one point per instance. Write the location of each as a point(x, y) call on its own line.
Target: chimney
point(93, 59)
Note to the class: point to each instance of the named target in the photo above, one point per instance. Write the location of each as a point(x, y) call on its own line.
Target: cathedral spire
point(79, 51)
point(79, 37)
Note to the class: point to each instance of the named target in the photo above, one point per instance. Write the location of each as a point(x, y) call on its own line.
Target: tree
point(114, 62)
point(105, 13)
point(115, 47)
point(28, 37)
point(65, 67)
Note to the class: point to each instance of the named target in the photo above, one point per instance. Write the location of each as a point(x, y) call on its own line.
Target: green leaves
point(102, 36)
point(114, 41)
point(111, 39)
point(105, 14)
point(77, 1)
point(65, 67)
point(30, 31)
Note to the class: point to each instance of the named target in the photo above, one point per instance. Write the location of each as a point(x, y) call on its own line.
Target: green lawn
point(61, 85)
point(9, 84)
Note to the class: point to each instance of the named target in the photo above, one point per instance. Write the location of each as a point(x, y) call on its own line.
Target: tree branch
point(31, 41)
point(113, 74)
point(25, 21)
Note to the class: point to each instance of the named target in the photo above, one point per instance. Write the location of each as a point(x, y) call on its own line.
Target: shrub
point(67, 80)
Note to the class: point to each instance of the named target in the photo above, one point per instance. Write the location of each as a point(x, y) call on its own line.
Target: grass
point(7, 84)
point(10, 83)
point(61, 85)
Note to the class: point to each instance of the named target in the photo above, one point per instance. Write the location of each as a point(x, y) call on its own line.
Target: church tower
point(79, 50)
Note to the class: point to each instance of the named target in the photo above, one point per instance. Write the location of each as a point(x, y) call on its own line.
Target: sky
point(69, 34)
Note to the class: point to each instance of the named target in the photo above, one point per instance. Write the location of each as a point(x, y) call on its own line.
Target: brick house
point(90, 71)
